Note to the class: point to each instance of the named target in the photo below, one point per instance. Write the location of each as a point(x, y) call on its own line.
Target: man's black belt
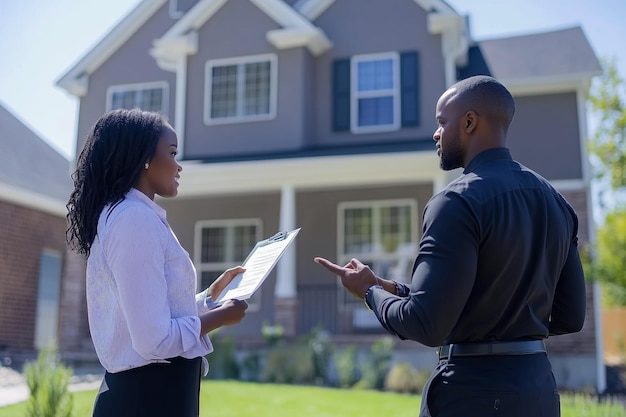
point(526, 347)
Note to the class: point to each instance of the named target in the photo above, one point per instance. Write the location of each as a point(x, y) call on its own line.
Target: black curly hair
point(110, 164)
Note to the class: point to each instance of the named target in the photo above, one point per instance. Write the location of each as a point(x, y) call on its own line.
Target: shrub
point(376, 364)
point(346, 364)
point(322, 350)
point(289, 364)
point(222, 361)
point(402, 377)
point(48, 382)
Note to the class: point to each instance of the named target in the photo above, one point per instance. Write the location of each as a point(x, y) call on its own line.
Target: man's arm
point(569, 304)
point(443, 278)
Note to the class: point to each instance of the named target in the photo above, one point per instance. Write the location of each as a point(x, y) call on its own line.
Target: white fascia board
point(32, 200)
point(314, 39)
point(107, 47)
point(199, 179)
point(312, 9)
point(194, 18)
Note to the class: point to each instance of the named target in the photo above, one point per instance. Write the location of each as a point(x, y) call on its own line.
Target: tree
point(608, 143)
point(608, 150)
point(610, 262)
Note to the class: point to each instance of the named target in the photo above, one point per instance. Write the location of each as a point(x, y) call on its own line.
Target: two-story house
point(319, 114)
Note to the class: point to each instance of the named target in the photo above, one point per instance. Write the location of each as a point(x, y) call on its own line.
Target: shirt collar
point(489, 155)
point(136, 195)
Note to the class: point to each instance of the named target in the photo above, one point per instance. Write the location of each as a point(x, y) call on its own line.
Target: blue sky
point(41, 39)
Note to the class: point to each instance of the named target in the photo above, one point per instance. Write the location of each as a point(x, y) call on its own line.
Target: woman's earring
point(147, 165)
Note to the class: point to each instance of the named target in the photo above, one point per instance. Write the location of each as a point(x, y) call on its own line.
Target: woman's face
point(163, 172)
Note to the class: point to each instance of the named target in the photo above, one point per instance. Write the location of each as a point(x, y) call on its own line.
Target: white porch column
point(285, 293)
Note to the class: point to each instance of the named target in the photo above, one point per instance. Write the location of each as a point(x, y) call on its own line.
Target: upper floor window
point(376, 92)
point(240, 89)
point(223, 244)
point(382, 234)
point(375, 99)
point(151, 96)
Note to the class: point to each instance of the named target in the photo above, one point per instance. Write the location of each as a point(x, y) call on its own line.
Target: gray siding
point(373, 26)
point(317, 215)
point(182, 215)
point(217, 39)
point(130, 64)
point(544, 135)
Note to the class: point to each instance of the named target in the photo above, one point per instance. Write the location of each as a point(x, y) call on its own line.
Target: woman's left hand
point(223, 280)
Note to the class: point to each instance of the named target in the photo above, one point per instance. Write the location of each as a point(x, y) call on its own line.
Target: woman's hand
point(216, 288)
point(233, 311)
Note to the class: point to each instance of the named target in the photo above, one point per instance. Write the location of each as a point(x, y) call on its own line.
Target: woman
point(148, 327)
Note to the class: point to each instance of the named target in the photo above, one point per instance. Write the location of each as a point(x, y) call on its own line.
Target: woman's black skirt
point(154, 390)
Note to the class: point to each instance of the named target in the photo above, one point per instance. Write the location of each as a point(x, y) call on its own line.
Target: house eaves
point(76, 79)
point(295, 31)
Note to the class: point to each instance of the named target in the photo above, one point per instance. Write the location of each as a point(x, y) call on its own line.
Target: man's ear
point(470, 121)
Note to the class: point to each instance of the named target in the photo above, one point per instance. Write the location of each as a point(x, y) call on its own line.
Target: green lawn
point(226, 399)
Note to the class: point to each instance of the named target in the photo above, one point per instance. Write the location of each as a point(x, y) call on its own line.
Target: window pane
point(376, 111)
point(149, 99)
point(358, 230)
point(375, 75)
point(244, 241)
point(257, 88)
point(224, 91)
point(213, 248)
point(395, 230)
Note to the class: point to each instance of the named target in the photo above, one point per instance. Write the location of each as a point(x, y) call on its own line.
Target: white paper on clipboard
point(259, 263)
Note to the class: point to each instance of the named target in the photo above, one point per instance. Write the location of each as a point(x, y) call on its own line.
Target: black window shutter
point(341, 95)
point(409, 88)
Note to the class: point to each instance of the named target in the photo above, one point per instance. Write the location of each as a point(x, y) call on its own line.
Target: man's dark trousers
point(479, 386)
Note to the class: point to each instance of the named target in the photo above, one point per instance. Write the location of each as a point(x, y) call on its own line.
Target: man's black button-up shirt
point(497, 261)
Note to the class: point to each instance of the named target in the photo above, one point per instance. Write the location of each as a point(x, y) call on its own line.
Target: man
point(497, 271)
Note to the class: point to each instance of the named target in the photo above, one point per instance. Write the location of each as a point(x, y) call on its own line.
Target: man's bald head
point(485, 96)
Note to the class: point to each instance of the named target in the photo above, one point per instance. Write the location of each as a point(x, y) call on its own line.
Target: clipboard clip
point(276, 238)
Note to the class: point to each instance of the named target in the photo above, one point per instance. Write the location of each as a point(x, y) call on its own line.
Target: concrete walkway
point(13, 388)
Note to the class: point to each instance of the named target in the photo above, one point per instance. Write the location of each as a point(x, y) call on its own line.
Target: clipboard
point(259, 263)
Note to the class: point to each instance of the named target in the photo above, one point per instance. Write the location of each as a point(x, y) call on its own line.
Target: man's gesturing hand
point(356, 277)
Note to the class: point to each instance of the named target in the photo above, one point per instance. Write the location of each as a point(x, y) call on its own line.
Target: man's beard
point(452, 158)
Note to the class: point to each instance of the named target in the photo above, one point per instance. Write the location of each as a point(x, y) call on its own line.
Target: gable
point(295, 30)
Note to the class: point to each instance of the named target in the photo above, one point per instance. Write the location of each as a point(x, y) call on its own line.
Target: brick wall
point(24, 233)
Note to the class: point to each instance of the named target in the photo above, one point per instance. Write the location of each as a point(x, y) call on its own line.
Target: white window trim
point(173, 10)
point(122, 88)
point(412, 203)
point(197, 247)
point(208, 87)
point(355, 95)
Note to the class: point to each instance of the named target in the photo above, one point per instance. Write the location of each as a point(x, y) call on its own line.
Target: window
point(382, 234)
point(48, 296)
point(223, 244)
point(240, 89)
point(375, 99)
point(146, 96)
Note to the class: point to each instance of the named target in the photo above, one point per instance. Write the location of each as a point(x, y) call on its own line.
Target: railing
point(317, 306)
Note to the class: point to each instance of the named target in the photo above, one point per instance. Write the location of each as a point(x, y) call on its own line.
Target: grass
point(230, 399)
